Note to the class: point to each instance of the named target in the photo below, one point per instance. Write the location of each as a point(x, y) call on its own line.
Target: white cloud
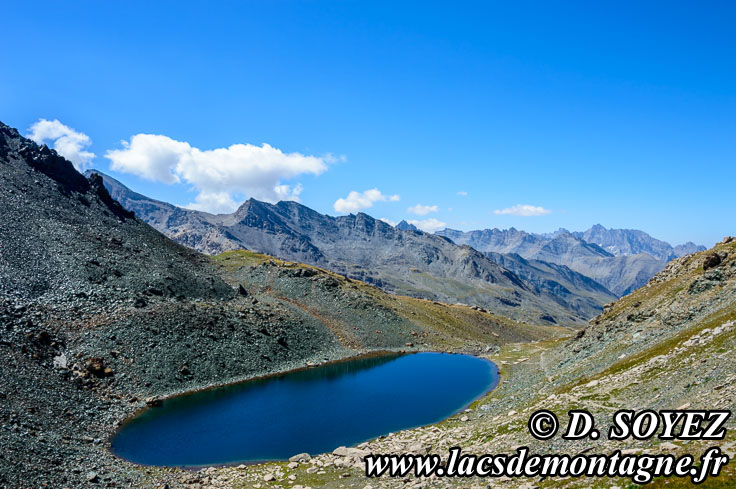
point(523, 210)
point(218, 174)
point(357, 201)
point(462, 193)
point(287, 192)
point(428, 225)
point(150, 156)
point(388, 221)
point(66, 141)
point(213, 202)
point(422, 210)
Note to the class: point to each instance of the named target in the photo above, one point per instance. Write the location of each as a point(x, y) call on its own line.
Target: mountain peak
point(41, 158)
point(405, 226)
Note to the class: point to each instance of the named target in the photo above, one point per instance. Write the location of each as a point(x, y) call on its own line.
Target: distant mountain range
point(631, 242)
point(620, 259)
point(400, 259)
point(564, 277)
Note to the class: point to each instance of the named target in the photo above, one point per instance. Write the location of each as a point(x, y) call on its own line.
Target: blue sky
point(586, 112)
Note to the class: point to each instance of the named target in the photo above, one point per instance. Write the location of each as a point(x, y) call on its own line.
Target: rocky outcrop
point(711, 260)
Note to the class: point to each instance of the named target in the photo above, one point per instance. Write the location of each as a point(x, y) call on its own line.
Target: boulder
point(711, 260)
point(155, 291)
point(60, 361)
point(418, 449)
point(96, 367)
point(350, 452)
point(300, 457)
point(44, 338)
point(331, 282)
point(340, 451)
point(153, 401)
point(668, 446)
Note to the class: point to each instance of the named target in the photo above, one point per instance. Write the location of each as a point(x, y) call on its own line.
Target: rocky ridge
point(631, 242)
point(398, 259)
point(621, 260)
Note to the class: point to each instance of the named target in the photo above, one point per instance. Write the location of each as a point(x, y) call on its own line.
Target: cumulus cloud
point(388, 221)
point(150, 156)
point(213, 202)
point(219, 175)
point(428, 225)
point(422, 210)
point(66, 141)
point(462, 193)
point(357, 201)
point(523, 210)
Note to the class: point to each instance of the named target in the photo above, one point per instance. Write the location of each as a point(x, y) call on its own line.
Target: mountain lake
point(311, 410)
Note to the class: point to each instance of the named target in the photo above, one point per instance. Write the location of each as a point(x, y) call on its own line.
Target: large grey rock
point(350, 452)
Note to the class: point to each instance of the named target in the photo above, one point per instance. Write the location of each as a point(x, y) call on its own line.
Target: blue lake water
point(313, 410)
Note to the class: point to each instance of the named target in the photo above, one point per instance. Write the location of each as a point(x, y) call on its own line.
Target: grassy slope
point(366, 317)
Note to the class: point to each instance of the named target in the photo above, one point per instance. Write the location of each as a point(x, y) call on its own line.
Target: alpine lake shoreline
point(200, 477)
point(157, 401)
